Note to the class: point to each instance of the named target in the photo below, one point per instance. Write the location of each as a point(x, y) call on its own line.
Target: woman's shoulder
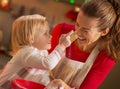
point(103, 64)
point(105, 54)
point(104, 58)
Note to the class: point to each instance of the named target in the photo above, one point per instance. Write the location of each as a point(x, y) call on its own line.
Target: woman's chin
point(82, 43)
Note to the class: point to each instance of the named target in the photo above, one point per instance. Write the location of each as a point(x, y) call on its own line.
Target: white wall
point(54, 11)
point(113, 79)
point(6, 25)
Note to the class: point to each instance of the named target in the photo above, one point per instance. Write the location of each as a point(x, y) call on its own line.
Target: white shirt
point(30, 56)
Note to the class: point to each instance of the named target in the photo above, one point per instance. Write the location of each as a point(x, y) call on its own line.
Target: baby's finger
point(62, 36)
point(69, 33)
point(73, 36)
point(61, 87)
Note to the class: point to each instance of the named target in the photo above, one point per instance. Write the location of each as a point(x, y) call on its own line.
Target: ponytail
point(114, 44)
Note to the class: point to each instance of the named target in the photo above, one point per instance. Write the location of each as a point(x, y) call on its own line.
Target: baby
point(30, 41)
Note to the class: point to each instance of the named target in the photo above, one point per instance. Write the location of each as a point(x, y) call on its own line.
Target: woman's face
point(87, 30)
point(42, 39)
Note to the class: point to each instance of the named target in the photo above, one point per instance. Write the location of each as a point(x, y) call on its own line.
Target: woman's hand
point(57, 84)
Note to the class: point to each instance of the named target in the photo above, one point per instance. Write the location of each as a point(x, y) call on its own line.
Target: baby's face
point(42, 39)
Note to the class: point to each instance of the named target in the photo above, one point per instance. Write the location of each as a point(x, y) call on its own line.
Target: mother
point(98, 28)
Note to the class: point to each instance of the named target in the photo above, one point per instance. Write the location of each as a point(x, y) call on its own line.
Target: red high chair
point(25, 84)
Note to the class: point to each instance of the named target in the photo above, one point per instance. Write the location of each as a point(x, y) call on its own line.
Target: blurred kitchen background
point(56, 11)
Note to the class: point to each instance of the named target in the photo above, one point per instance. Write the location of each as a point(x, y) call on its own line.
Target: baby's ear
point(105, 32)
point(31, 40)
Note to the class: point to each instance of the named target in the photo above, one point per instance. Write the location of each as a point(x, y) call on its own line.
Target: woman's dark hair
point(108, 14)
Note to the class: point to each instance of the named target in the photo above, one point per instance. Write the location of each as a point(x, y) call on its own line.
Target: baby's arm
point(50, 61)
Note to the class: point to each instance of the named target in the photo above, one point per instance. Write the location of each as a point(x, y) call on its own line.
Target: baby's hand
point(67, 39)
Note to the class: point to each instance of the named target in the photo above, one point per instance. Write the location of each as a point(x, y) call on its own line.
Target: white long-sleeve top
point(28, 56)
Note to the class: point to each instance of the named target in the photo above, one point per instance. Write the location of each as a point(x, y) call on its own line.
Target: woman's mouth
point(81, 38)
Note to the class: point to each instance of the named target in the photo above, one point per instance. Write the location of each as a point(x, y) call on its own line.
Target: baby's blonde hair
point(23, 30)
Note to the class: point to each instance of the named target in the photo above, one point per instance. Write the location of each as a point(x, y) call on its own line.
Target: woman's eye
point(84, 30)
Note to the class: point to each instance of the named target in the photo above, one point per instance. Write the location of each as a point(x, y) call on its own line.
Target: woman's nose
point(78, 31)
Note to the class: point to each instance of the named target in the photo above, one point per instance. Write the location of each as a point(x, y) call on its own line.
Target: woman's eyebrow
point(82, 27)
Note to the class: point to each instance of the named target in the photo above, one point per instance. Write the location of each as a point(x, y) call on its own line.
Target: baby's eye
point(85, 30)
point(46, 33)
point(77, 24)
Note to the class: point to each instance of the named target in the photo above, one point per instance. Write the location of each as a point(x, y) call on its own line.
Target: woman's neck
point(86, 48)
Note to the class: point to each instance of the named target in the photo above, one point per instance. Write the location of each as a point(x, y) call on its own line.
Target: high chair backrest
point(25, 84)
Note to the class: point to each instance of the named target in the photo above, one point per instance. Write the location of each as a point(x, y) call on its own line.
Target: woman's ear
point(105, 32)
